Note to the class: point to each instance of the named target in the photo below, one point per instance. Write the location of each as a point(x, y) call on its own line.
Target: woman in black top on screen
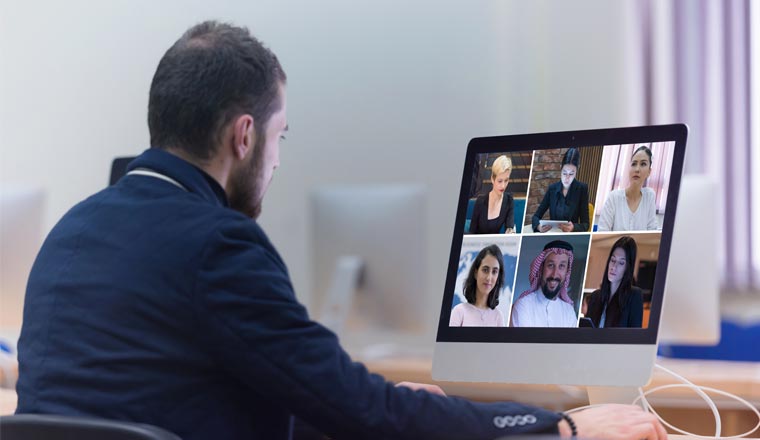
point(618, 303)
point(566, 199)
point(495, 210)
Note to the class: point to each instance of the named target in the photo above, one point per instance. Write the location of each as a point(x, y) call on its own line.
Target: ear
point(243, 135)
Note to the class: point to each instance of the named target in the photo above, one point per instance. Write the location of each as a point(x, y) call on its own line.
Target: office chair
point(119, 168)
point(50, 427)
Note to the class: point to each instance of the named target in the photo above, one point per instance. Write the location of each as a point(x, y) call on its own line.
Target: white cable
point(702, 394)
point(699, 390)
point(712, 390)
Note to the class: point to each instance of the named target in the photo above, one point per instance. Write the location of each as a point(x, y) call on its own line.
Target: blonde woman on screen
point(496, 209)
point(632, 208)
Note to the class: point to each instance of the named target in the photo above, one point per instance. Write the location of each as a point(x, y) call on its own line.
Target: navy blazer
point(155, 303)
point(573, 207)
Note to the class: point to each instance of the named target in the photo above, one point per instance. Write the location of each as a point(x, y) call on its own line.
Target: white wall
point(378, 92)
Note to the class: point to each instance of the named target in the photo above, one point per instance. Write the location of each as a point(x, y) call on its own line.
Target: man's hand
point(615, 422)
point(544, 228)
point(566, 227)
point(434, 389)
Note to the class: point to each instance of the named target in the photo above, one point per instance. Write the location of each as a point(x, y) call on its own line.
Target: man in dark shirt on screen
point(160, 299)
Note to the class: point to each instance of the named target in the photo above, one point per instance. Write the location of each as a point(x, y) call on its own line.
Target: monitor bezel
point(566, 139)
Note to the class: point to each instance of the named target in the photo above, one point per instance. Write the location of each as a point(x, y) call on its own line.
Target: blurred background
point(391, 92)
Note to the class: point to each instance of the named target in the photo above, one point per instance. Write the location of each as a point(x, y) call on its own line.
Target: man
point(546, 303)
point(160, 300)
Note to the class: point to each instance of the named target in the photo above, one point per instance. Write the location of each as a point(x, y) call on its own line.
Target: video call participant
point(184, 317)
point(618, 303)
point(481, 289)
point(632, 208)
point(496, 209)
point(547, 303)
point(566, 199)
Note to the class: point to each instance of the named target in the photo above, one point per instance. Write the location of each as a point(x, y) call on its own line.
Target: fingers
point(435, 389)
point(432, 389)
point(619, 422)
point(661, 433)
point(646, 426)
point(645, 432)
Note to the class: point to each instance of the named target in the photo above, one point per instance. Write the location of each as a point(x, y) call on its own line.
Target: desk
point(681, 407)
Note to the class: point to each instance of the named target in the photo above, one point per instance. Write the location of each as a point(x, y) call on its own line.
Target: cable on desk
point(699, 390)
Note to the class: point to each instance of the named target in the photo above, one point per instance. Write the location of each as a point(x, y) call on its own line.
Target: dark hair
point(470, 287)
point(214, 73)
point(646, 150)
point(572, 157)
point(628, 244)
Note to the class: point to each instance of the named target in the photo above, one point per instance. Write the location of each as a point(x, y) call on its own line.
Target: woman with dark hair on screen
point(618, 303)
point(632, 208)
point(496, 209)
point(481, 289)
point(566, 199)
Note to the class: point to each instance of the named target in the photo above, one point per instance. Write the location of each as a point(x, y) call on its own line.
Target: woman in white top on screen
point(481, 289)
point(632, 208)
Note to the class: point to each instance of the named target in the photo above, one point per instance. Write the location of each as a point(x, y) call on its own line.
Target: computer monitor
point(370, 259)
point(691, 312)
point(541, 338)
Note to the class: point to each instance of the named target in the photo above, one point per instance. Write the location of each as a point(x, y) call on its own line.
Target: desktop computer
point(553, 330)
point(369, 253)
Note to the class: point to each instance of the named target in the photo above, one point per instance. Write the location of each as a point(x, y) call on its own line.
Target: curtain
point(696, 62)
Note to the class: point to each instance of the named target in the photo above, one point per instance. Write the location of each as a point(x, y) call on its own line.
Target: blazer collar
point(194, 179)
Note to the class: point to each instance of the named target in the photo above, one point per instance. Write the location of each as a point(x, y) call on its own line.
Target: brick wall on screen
point(546, 170)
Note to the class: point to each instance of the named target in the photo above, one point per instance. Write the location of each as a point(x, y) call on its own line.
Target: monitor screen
point(563, 237)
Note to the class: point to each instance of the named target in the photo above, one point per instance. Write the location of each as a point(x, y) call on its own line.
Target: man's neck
point(214, 167)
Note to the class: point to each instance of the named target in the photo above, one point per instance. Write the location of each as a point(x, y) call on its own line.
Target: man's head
point(553, 274)
point(551, 269)
point(218, 95)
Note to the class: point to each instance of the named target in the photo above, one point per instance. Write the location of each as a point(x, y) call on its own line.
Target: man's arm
point(251, 321)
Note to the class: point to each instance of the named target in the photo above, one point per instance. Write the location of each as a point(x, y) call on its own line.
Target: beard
point(245, 193)
point(548, 293)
